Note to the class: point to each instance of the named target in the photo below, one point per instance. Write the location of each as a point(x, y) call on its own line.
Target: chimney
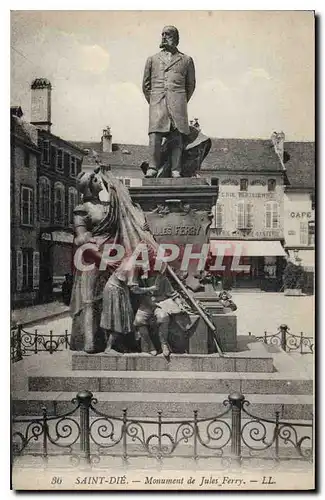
point(41, 104)
point(278, 143)
point(107, 140)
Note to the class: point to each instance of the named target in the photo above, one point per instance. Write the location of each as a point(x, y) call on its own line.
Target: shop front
point(250, 264)
point(306, 258)
point(56, 260)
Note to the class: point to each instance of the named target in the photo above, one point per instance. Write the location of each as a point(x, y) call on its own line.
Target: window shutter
point(219, 215)
point(275, 224)
point(19, 270)
point(303, 233)
point(267, 216)
point(32, 207)
point(35, 270)
point(240, 215)
point(249, 215)
point(53, 156)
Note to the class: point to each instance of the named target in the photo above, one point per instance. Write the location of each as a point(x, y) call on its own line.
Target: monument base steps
point(144, 385)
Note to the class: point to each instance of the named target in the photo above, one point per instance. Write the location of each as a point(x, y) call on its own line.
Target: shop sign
point(301, 215)
point(252, 234)
point(59, 236)
point(245, 194)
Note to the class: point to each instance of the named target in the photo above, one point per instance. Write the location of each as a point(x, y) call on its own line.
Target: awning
point(307, 258)
point(248, 248)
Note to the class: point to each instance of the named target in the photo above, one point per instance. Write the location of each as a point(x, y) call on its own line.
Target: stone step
point(177, 405)
point(255, 359)
point(172, 382)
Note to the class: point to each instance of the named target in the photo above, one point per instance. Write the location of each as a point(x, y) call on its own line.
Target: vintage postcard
point(162, 250)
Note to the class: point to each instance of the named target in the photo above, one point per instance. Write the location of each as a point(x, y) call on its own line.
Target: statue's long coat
point(168, 86)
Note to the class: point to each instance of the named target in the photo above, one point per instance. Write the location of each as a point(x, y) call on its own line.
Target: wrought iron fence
point(86, 435)
point(24, 343)
point(288, 341)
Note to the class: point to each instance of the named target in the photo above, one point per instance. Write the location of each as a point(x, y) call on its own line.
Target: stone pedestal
point(178, 212)
point(202, 342)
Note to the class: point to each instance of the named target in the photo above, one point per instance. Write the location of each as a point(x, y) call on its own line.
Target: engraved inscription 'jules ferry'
point(177, 230)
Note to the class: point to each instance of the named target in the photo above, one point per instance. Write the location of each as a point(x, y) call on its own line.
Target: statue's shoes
point(90, 350)
point(151, 172)
point(166, 352)
point(155, 352)
point(112, 352)
point(176, 174)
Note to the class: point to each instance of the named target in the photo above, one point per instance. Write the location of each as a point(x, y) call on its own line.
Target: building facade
point(249, 214)
point(25, 255)
point(60, 163)
point(299, 208)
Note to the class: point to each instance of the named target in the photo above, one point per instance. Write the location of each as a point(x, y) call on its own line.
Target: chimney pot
point(107, 140)
point(41, 89)
point(278, 143)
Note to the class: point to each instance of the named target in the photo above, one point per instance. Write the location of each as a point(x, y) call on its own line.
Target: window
point(303, 233)
point(26, 158)
point(312, 197)
point(243, 184)
point(214, 181)
point(36, 275)
point(24, 269)
point(272, 218)
point(218, 216)
point(45, 148)
point(79, 163)
point(59, 203)
point(73, 202)
point(244, 215)
point(73, 166)
point(125, 181)
point(271, 183)
point(59, 159)
point(45, 199)
point(311, 233)
point(26, 206)
point(53, 152)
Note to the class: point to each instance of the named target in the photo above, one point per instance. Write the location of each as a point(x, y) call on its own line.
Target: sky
point(254, 70)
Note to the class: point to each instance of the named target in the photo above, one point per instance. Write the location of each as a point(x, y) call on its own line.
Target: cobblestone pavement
point(256, 313)
point(38, 312)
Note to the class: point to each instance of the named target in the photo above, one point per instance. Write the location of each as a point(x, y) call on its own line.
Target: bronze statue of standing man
point(168, 85)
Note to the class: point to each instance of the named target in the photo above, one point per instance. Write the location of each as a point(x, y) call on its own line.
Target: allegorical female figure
point(95, 222)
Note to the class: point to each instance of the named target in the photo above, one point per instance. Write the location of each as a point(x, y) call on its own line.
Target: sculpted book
point(162, 250)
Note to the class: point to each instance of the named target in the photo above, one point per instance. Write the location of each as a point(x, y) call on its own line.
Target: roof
point(300, 166)
point(50, 136)
point(255, 155)
point(122, 155)
point(24, 131)
point(225, 154)
point(251, 155)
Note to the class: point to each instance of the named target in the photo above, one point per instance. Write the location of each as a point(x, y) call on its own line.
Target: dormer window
point(243, 184)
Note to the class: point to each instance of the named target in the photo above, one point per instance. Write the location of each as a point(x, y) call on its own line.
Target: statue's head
point(90, 185)
point(169, 38)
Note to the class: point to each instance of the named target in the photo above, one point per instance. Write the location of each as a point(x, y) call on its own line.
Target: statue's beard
point(167, 46)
